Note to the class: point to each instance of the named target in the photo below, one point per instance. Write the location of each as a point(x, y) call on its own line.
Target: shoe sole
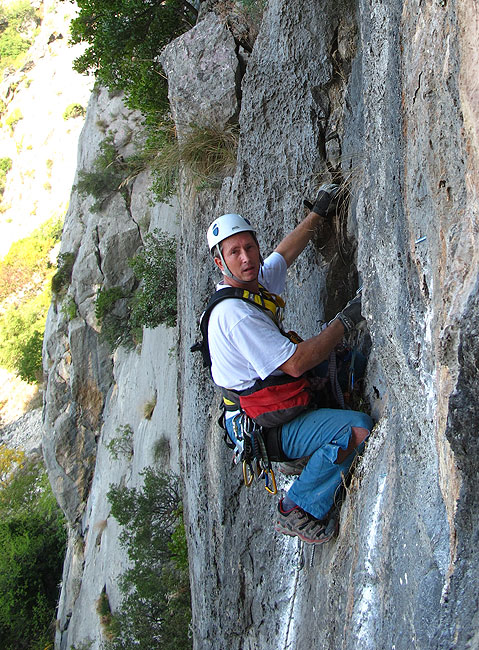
point(289, 472)
point(287, 531)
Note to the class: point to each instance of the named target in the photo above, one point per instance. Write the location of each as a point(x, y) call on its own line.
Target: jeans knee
point(362, 421)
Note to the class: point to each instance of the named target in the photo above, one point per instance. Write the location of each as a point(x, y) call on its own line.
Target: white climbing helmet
point(225, 226)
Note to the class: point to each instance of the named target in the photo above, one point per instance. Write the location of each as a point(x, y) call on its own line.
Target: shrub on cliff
point(124, 40)
point(63, 275)
point(156, 609)
point(32, 548)
point(106, 178)
point(5, 167)
point(74, 110)
point(155, 267)
point(122, 315)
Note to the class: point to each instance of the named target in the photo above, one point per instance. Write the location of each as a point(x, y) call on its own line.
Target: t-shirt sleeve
point(273, 273)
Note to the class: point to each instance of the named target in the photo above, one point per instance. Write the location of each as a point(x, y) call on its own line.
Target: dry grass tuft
point(149, 407)
point(208, 153)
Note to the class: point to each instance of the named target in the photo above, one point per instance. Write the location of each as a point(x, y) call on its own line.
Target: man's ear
point(218, 263)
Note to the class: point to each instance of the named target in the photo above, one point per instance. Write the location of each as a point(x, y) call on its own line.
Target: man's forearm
point(294, 243)
point(313, 351)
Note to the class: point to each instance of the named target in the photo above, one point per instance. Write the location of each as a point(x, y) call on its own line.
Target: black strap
point(202, 345)
point(274, 446)
point(222, 294)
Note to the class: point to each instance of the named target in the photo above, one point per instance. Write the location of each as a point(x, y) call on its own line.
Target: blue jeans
point(320, 434)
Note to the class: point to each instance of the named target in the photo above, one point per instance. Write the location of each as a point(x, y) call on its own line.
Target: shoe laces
point(310, 520)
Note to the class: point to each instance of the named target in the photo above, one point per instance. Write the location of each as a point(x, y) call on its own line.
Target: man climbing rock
point(263, 371)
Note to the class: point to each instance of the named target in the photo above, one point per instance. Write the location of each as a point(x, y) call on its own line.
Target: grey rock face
point(203, 75)
point(91, 393)
point(356, 93)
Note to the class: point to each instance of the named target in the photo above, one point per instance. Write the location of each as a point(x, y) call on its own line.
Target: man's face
point(241, 254)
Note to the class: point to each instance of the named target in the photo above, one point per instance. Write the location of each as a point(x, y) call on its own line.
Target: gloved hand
point(351, 315)
point(325, 195)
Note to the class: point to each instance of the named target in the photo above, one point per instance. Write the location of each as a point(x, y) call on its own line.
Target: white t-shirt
point(244, 342)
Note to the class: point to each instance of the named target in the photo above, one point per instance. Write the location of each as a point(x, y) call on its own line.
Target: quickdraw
point(254, 450)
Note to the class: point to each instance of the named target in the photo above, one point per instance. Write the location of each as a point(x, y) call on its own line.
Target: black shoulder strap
point(218, 296)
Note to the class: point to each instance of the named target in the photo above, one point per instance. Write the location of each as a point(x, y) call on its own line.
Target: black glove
point(325, 195)
point(351, 315)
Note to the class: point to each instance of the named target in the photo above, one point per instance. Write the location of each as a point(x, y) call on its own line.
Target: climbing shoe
point(293, 467)
point(298, 523)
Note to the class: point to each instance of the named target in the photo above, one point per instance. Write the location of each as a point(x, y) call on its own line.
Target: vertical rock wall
point(358, 92)
point(90, 394)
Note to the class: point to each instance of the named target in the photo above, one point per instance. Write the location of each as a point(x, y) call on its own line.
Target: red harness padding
point(275, 400)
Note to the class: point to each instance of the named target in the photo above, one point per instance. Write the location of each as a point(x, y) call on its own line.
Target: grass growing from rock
point(208, 153)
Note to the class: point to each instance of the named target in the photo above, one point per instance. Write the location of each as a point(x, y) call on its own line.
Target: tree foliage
point(16, 20)
point(25, 274)
point(10, 459)
point(21, 336)
point(124, 40)
point(155, 302)
point(32, 546)
point(29, 256)
point(155, 611)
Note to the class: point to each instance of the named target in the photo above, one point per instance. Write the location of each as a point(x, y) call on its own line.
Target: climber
point(252, 357)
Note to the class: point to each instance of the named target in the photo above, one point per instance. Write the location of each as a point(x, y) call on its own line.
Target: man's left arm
point(294, 243)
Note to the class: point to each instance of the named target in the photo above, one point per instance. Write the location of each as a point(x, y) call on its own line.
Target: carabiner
point(237, 430)
point(272, 490)
point(248, 478)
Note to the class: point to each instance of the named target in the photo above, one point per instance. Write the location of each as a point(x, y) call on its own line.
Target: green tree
point(155, 301)
point(15, 20)
point(10, 459)
point(32, 548)
point(21, 336)
point(29, 256)
point(156, 608)
point(125, 38)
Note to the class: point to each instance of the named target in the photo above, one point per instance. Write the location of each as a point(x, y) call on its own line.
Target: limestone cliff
point(90, 395)
point(355, 92)
point(358, 92)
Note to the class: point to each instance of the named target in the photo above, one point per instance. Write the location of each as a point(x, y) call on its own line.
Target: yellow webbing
point(270, 301)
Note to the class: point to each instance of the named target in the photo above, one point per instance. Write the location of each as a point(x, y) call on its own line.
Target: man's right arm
point(313, 351)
